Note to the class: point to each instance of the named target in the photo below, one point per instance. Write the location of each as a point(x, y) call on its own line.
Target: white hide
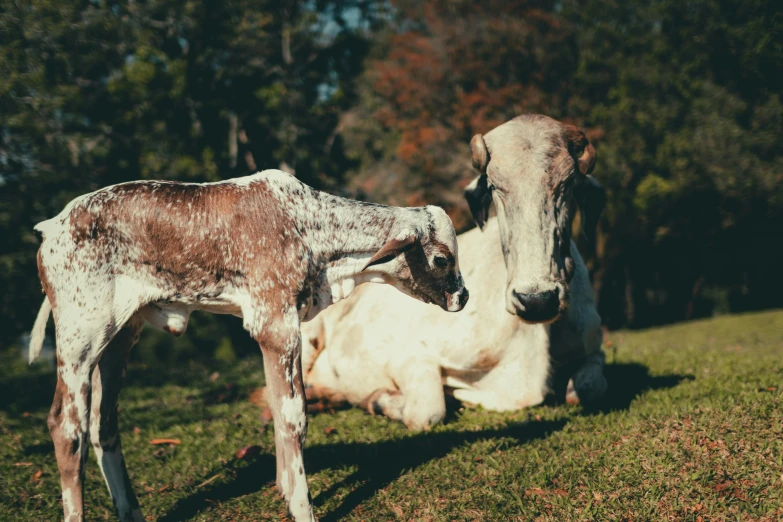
point(486, 355)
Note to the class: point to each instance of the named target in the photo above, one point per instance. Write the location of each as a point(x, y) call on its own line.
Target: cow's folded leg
point(588, 383)
point(419, 402)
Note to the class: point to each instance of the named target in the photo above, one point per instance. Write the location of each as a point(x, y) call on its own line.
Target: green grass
point(692, 430)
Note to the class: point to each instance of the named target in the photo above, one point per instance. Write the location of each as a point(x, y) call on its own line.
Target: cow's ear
point(390, 250)
point(478, 193)
point(479, 197)
point(591, 198)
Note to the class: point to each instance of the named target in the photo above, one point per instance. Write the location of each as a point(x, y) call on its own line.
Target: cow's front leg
point(588, 383)
point(281, 348)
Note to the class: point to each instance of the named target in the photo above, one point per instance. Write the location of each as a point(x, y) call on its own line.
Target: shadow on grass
point(626, 382)
point(378, 464)
point(34, 391)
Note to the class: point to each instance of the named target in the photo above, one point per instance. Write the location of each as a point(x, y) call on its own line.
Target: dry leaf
point(266, 416)
point(37, 476)
point(208, 481)
point(258, 397)
point(329, 430)
point(136, 430)
point(164, 488)
point(17, 464)
point(247, 452)
point(165, 441)
point(215, 376)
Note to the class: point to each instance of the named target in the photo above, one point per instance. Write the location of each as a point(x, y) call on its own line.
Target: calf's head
point(535, 170)
point(424, 263)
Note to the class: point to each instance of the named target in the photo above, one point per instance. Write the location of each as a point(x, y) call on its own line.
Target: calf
point(532, 306)
point(266, 248)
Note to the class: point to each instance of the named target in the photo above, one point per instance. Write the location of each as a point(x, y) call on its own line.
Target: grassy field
point(692, 430)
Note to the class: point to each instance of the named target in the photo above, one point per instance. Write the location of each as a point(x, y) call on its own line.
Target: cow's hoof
point(587, 386)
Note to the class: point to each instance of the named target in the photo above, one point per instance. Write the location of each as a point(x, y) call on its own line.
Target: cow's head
point(535, 170)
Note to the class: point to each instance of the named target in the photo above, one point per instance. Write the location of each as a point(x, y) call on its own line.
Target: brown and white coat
point(265, 247)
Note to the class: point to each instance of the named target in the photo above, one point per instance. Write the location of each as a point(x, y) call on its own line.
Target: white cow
point(531, 307)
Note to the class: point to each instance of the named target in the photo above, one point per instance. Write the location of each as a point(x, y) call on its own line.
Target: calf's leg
point(281, 348)
point(79, 344)
point(107, 381)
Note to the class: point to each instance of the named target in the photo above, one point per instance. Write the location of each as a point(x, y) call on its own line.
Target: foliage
point(691, 428)
point(96, 93)
point(681, 99)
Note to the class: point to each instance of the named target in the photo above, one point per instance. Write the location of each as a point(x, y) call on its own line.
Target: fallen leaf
point(26, 414)
point(247, 452)
point(156, 442)
point(136, 430)
point(17, 464)
point(164, 488)
point(37, 476)
point(722, 486)
point(266, 416)
point(208, 481)
point(215, 376)
point(258, 397)
point(329, 430)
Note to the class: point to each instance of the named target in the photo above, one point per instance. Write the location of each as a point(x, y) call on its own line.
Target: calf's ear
point(390, 250)
point(477, 193)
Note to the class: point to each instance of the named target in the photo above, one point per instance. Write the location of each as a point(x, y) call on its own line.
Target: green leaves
point(93, 94)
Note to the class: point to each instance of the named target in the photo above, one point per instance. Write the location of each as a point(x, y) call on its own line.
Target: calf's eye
point(441, 262)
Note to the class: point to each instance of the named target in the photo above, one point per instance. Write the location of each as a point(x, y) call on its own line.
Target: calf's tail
point(39, 330)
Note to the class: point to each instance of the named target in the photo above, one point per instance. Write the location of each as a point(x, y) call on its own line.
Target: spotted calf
point(266, 248)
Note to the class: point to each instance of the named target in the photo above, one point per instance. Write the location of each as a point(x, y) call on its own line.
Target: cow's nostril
point(537, 308)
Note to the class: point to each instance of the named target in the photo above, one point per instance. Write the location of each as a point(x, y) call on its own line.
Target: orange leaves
point(415, 142)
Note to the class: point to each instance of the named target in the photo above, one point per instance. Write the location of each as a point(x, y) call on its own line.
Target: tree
point(446, 70)
point(96, 93)
point(681, 99)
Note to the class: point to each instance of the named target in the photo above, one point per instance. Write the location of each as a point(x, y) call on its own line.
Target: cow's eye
point(441, 262)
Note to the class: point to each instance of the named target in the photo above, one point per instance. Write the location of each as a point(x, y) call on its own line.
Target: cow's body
point(377, 341)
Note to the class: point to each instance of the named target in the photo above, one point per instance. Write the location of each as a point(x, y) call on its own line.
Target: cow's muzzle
point(543, 307)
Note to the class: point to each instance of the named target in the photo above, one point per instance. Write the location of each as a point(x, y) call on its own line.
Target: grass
point(692, 430)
